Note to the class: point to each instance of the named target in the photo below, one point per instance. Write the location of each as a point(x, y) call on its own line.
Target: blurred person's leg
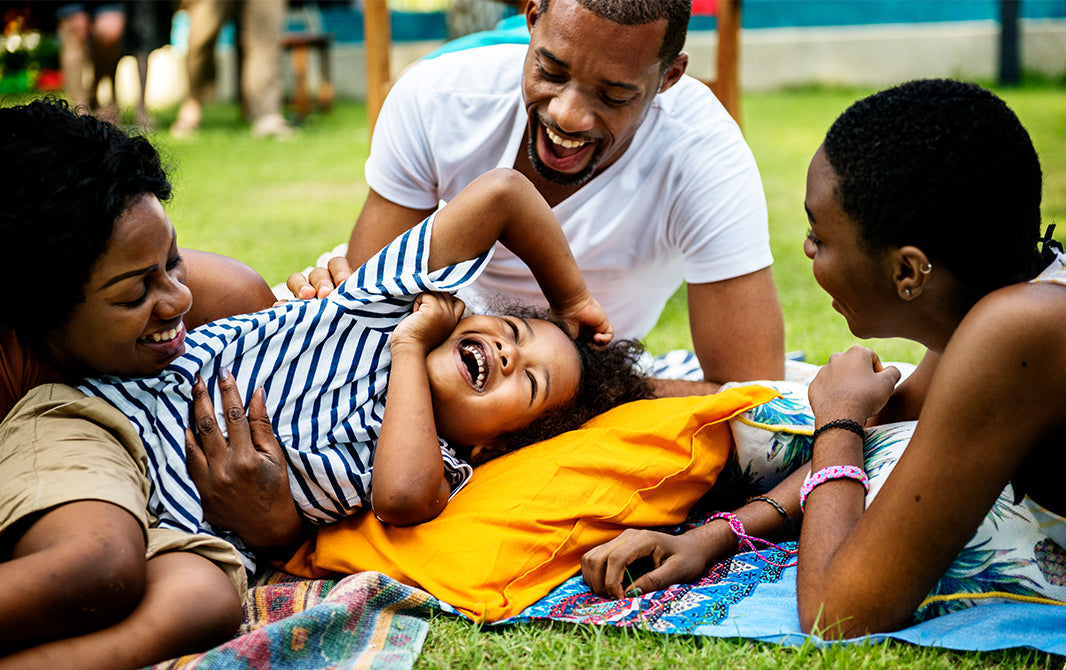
point(261, 24)
point(105, 48)
point(148, 26)
point(73, 31)
point(205, 23)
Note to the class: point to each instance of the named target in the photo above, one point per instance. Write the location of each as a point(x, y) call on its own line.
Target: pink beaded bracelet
point(811, 481)
point(749, 540)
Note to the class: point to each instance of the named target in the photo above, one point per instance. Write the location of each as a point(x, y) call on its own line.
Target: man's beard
point(555, 176)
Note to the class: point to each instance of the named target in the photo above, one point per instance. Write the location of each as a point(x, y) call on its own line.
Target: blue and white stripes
point(324, 366)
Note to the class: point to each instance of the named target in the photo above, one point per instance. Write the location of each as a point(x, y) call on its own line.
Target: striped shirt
point(324, 366)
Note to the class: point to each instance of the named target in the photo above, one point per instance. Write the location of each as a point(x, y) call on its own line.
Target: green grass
point(454, 643)
point(278, 205)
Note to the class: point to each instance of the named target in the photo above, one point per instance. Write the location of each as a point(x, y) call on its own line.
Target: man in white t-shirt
point(651, 179)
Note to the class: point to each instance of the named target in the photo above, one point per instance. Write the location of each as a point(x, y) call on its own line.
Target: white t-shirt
point(683, 203)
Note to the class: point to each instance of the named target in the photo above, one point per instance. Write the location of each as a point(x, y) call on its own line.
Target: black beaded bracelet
point(846, 424)
point(790, 525)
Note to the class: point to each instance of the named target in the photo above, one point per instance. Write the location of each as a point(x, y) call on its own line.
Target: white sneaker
point(272, 125)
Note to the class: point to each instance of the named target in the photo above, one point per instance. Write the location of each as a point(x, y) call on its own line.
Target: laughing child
point(384, 393)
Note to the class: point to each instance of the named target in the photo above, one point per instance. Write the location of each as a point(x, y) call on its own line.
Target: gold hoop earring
point(925, 268)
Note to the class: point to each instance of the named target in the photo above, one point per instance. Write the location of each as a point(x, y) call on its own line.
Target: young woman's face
point(497, 374)
point(859, 283)
point(130, 323)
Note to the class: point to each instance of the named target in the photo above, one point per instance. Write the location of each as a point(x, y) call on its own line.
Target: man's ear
point(532, 13)
point(911, 270)
point(673, 74)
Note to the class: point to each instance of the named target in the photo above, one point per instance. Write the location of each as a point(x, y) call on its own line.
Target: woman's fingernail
point(223, 373)
point(634, 592)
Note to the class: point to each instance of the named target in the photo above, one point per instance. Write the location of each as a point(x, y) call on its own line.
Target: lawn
point(278, 205)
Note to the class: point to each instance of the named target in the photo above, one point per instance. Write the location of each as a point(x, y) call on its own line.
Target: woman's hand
point(674, 559)
point(243, 481)
point(853, 385)
point(434, 318)
point(584, 318)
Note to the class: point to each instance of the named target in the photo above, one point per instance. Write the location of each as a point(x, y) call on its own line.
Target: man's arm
point(380, 222)
point(738, 329)
point(222, 286)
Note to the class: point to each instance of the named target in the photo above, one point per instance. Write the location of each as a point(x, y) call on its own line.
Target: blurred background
point(783, 42)
point(278, 205)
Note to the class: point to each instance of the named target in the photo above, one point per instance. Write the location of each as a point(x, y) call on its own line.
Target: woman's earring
point(925, 268)
point(906, 293)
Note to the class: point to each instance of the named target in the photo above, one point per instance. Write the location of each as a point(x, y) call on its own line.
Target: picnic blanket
point(366, 620)
point(990, 598)
point(747, 596)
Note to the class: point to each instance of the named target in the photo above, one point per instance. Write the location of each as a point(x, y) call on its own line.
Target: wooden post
point(1010, 70)
point(727, 86)
point(378, 41)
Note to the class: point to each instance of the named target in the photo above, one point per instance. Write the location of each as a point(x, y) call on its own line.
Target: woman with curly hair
point(85, 574)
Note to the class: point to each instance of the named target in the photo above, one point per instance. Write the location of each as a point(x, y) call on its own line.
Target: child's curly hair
point(609, 377)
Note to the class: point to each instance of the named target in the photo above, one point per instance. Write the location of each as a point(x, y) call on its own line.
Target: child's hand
point(585, 319)
point(433, 320)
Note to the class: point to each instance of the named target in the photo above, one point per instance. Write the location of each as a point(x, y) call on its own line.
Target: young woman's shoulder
point(1009, 352)
point(1019, 315)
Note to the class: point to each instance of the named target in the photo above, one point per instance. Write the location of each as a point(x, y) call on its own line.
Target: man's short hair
point(638, 12)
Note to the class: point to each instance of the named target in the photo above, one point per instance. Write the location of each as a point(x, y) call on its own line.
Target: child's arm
point(409, 484)
point(504, 206)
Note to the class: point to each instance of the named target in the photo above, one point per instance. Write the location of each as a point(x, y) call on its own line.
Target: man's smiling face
point(587, 84)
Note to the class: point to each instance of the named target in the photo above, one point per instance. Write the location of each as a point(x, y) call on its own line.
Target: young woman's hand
point(853, 385)
point(243, 481)
point(585, 319)
point(434, 318)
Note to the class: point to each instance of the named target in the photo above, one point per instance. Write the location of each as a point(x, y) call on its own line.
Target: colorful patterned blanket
point(369, 620)
point(748, 596)
point(365, 620)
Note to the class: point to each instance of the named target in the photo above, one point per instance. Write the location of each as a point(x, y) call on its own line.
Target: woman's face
point(130, 323)
point(860, 283)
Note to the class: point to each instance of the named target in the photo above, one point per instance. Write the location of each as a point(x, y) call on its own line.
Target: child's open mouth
point(473, 357)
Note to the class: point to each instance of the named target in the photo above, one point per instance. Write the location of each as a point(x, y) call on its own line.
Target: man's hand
point(243, 481)
point(432, 321)
point(320, 282)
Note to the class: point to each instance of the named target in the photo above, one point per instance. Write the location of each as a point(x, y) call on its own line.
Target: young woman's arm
point(996, 394)
point(222, 286)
